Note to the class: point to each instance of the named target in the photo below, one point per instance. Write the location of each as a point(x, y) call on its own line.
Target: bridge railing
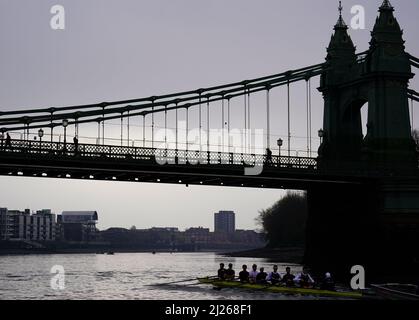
point(160, 156)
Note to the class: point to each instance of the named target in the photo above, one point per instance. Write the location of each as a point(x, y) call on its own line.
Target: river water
point(126, 276)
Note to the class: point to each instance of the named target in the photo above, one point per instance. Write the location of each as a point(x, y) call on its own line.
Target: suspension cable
point(187, 131)
point(289, 120)
point(177, 128)
point(122, 132)
point(103, 127)
point(268, 125)
point(249, 123)
point(167, 96)
point(228, 124)
point(160, 110)
point(52, 128)
point(152, 125)
point(310, 117)
point(200, 121)
point(98, 132)
point(144, 116)
point(208, 126)
point(222, 124)
point(128, 141)
point(245, 121)
point(165, 128)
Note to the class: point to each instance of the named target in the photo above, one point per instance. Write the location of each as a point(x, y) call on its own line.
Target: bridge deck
point(117, 163)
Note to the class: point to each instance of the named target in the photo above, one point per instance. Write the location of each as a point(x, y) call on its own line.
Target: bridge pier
point(375, 225)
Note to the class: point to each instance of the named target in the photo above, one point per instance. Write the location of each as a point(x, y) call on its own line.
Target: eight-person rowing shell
point(302, 280)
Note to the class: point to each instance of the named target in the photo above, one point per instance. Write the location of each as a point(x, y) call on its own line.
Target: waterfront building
point(78, 225)
point(22, 225)
point(225, 221)
point(5, 224)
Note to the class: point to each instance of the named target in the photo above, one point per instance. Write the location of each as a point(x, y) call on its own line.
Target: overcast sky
point(121, 49)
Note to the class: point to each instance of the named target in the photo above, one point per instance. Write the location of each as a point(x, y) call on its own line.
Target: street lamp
point(65, 124)
point(40, 135)
point(279, 142)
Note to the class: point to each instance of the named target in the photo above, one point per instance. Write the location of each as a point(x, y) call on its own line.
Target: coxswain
point(328, 283)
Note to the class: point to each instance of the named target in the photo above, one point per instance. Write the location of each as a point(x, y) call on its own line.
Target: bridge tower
point(380, 78)
point(363, 223)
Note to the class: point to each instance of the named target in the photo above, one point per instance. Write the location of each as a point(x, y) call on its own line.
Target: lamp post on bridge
point(65, 124)
point(279, 142)
point(40, 135)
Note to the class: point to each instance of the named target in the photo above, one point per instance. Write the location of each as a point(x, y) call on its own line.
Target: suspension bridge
point(339, 163)
point(186, 154)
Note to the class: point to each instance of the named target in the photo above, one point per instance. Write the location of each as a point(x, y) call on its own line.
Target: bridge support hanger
point(379, 220)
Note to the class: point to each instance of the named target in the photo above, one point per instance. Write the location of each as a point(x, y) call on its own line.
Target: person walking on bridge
point(268, 160)
point(8, 141)
point(76, 145)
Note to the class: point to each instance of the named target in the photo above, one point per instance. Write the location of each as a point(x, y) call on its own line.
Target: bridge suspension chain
point(162, 97)
point(103, 118)
point(153, 107)
point(191, 100)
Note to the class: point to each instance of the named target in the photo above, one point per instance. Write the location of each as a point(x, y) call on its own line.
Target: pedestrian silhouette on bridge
point(268, 156)
point(8, 141)
point(76, 145)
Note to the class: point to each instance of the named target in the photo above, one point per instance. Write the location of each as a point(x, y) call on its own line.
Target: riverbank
point(293, 255)
point(14, 252)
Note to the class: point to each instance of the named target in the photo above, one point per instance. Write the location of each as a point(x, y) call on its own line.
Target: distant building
point(78, 225)
point(225, 221)
point(22, 225)
point(5, 224)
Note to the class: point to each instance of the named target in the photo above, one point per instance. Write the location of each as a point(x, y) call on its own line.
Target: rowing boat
point(280, 289)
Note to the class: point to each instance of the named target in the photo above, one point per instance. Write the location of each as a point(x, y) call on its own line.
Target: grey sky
point(120, 49)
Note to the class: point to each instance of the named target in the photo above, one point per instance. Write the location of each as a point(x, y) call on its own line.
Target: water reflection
point(123, 276)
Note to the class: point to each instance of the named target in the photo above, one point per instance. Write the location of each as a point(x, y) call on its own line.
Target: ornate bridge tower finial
point(340, 23)
point(386, 5)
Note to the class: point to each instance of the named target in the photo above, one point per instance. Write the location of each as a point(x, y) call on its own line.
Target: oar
point(180, 281)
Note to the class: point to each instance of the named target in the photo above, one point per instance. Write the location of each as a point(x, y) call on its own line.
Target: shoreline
point(292, 255)
point(15, 252)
